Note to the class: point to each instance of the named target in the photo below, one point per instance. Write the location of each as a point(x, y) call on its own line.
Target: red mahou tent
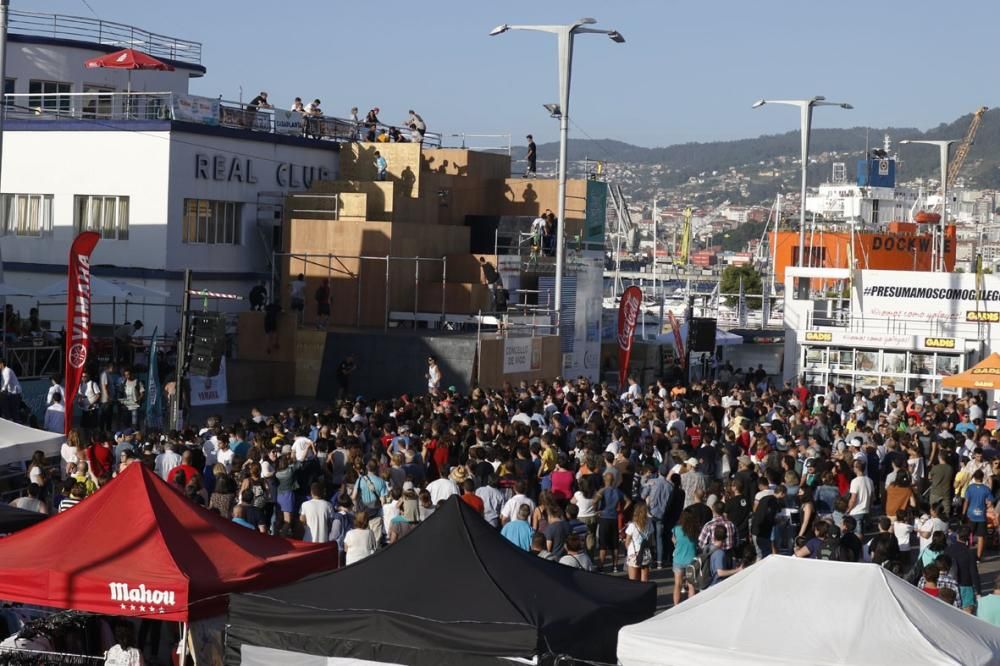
point(138, 547)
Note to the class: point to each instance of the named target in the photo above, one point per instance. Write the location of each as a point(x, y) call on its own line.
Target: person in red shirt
point(190, 471)
point(562, 480)
point(436, 452)
point(470, 497)
point(100, 458)
point(802, 393)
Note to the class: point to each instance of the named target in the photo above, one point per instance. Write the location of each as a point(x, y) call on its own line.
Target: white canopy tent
point(104, 288)
point(786, 610)
point(18, 442)
point(722, 338)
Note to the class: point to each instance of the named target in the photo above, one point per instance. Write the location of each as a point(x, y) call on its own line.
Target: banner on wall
point(191, 108)
point(629, 310)
point(522, 355)
point(950, 297)
point(288, 122)
point(209, 390)
point(77, 317)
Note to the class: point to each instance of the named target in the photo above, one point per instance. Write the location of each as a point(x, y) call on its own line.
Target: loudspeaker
point(701, 335)
point(208, 344)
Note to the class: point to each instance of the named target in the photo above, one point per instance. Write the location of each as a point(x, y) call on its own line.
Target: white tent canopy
point(18, 442)
point(722, 338)
point(786, 610)
point(105, 288)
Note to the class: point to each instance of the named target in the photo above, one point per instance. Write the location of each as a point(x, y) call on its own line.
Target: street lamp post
point(944, 146)
point(805, 111)
point(565, 34)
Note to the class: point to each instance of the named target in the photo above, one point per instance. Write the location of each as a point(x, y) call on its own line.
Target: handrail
point(109, 33)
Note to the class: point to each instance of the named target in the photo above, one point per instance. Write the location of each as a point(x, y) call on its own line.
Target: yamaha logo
point(77, 355)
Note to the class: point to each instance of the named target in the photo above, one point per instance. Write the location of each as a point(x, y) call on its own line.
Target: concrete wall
point(395, 363)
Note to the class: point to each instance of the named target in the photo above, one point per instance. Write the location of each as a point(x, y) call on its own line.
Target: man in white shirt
point(444, 487)
point(509, 510)
point(433, 375)
point(68, 454)
point(492, 500)
point(166, 461)
point(861, 491)
point(10, 392)
point(303, 447)
point(88, 399)
point(55, 415)
point(54, 387)
point(316, 515)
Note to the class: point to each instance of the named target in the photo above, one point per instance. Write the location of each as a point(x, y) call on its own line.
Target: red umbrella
point(128, 59)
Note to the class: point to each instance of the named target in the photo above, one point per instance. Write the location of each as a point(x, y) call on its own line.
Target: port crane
point(962, 151)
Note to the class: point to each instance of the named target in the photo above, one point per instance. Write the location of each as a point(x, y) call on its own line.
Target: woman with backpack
point(685, 549)
point(638, 533)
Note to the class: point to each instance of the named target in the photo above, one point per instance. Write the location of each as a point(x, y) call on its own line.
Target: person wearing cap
point(691, 480)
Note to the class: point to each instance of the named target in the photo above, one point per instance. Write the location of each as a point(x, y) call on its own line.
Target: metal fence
point(96, 31)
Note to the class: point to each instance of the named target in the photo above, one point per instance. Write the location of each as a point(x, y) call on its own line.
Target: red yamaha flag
point(628, 314)
point(77, 316)
point(678, 340)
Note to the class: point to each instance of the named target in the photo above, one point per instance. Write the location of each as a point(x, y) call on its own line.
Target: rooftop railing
point(96, 31)
point(100, 106)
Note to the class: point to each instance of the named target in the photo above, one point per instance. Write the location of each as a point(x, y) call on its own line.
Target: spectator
point(371, 123)
point(532, 158)
point(381, 166)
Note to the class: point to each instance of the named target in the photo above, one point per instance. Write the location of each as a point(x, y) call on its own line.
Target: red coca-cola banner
point(678, 340)
point(628, 315)
point(77, 316)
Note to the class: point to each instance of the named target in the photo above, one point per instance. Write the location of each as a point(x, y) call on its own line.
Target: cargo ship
point(869, 224)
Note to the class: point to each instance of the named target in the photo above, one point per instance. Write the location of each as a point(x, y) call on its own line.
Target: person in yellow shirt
point(83, 476)
point(548, 456)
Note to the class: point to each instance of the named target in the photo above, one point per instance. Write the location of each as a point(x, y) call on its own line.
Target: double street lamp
point(565, 35)
point(805, 111)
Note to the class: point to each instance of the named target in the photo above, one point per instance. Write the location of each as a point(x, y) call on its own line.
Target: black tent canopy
point(452, 592)
point(13, 520)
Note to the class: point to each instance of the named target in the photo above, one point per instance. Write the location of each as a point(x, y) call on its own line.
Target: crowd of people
point(704, 479)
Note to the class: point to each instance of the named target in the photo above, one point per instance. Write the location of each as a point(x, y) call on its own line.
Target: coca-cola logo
point(631, 301)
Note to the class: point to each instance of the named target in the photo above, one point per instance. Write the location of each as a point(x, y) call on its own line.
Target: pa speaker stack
point(208, 344)
point(701, 335)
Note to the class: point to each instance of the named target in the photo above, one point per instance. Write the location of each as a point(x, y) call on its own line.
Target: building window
point(98, 105)
point(212, 222)
point(107, 215)
point(8, 89)
point(50, 96)
point(26, 215)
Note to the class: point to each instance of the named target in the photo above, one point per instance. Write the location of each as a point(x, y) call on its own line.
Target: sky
point(688, 71)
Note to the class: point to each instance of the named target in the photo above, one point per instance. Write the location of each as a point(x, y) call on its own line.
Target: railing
point(485, 143)
point(328, 206)
point(107, 106)
point(96, 31)
point(336, 265)
point(585, 168)
point(95, 106)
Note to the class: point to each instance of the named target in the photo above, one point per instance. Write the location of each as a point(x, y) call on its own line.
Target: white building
point(204, 193)
point(902, 328)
